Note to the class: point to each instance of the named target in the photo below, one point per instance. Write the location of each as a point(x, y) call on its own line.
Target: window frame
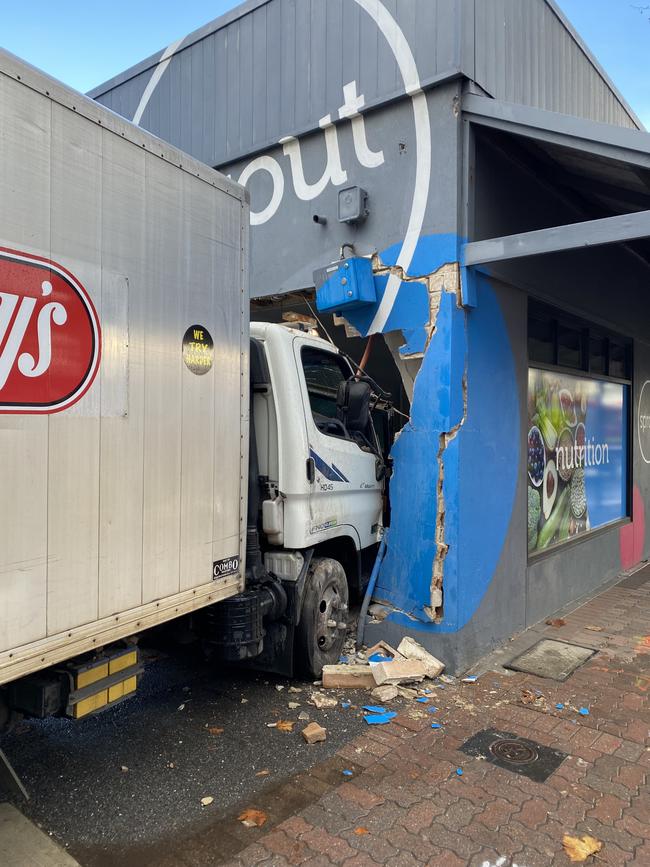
point(559, 318)
point(342, 363)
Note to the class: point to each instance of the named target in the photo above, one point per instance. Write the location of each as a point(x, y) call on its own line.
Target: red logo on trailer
point(50, 339)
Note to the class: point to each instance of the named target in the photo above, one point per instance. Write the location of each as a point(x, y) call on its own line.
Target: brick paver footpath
point(406, 803)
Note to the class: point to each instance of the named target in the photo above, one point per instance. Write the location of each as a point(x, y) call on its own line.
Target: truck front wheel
point(321, 632)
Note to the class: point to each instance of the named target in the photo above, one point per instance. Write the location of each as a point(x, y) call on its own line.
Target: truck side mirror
point(353, 405)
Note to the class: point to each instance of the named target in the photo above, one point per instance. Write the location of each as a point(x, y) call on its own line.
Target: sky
point(84, 44)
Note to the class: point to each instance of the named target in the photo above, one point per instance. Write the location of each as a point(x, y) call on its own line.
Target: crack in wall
point(435, 610)
point(446, 278)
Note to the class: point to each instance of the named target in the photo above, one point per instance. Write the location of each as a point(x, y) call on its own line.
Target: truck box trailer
point(127, 370)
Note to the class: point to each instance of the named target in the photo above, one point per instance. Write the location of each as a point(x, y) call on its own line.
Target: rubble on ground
point(314, 734)
point(382, 666)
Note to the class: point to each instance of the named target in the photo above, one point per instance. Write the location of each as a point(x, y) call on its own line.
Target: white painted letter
point(333, 170)
point(53, 312)
point(350, 109)
point(16, 334)
point(265, 164)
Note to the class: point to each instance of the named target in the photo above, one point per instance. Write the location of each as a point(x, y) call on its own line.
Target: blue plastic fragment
point(426, 691)
point(347, 773)
point(472, 678)
point(433, 709)
point(345, 704)
point(423, 700)
point(380, 657)
point(379, 719)
point(374, 708)
point(559, 705)
point(343, 660)
point(459, 772)
point(436, 726)
point(584, 711)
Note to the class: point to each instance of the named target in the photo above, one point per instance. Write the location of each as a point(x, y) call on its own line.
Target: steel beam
point(630, 146)
point(575, 236)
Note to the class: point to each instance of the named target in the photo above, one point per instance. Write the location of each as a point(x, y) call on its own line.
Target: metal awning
point(605, 168)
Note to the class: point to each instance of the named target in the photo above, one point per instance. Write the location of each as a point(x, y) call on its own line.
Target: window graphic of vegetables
point(557, 503)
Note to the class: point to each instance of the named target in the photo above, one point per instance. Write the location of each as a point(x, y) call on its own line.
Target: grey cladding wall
point(276, 67)
point(281, 68)
point(524, 53)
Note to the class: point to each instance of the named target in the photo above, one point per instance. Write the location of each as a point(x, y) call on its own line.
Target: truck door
point(344, 489)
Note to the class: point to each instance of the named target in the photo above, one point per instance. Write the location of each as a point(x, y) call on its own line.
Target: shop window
point(578, 429)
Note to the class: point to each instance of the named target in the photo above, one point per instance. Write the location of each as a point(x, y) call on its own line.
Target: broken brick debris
point(399, 671)
point(387, 692)
point(410, 649)
point(347, 676)
point(314, 734)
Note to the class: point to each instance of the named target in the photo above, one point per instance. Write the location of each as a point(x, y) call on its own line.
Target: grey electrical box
point(353, 205)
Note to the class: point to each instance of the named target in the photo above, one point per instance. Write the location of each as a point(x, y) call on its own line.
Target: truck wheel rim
point(327, 610)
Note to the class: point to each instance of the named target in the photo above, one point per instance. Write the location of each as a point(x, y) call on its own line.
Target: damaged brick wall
point(408, 358)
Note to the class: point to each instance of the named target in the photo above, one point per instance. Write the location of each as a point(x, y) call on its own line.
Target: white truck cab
point(329, 485)
point(321, 480)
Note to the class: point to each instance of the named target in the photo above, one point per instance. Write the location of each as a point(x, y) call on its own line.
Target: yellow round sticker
point(198, 349)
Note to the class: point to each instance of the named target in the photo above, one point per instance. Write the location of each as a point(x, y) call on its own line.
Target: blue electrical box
point(344, 285)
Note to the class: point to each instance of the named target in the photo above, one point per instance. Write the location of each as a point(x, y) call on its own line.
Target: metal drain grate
point(519, 755)
point(513, 751)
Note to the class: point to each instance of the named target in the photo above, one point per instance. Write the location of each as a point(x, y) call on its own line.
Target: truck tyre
point(319, 638)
